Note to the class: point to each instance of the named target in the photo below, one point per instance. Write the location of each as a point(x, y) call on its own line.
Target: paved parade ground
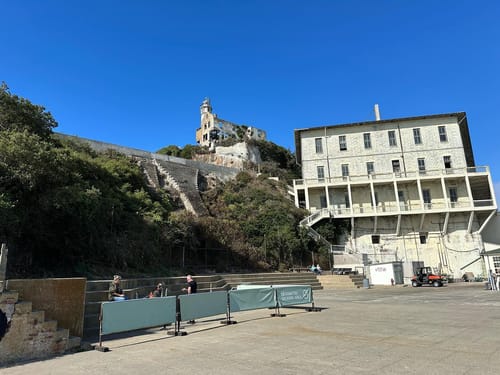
point(384, 330)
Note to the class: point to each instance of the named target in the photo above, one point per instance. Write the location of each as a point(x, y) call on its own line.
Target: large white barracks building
point(408, 190)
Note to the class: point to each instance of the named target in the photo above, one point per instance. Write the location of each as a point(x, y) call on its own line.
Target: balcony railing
point(393, 208)
point(410, 175)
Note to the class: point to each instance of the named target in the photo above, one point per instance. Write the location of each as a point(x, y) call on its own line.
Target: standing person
point(115, 291)
point(492, 279)
point(192, 288)
point(191, 285)
point(498, 280)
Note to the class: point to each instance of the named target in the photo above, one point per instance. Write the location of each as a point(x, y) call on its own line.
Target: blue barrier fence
point(154, 312)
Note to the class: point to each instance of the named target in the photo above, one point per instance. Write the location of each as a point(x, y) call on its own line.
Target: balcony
point(389, 177)
point(407, 208)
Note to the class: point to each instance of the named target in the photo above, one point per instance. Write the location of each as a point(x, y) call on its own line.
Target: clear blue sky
point(135, 72)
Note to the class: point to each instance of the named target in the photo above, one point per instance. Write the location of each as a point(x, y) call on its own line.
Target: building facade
point(213, 129)
point(408, 188)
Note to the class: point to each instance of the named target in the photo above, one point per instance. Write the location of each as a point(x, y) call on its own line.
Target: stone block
point(37, 317)
point(9, 297)
point(49, 326)
point(23, 307)
point(73, 343)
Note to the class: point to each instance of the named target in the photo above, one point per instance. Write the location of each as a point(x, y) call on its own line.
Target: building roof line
point(452, 114)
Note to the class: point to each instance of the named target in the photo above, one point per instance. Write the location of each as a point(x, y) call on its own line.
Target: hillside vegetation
point(66, 210)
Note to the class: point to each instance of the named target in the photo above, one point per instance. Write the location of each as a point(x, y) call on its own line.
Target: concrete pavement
point(389, 330)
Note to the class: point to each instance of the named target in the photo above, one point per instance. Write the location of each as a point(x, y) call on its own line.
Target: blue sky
point(135, 72)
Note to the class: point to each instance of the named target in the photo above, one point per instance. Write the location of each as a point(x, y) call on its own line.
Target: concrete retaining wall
point(223, 173)
point(61, 299)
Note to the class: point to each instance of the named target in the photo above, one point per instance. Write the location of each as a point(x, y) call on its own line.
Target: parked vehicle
point(425, 276)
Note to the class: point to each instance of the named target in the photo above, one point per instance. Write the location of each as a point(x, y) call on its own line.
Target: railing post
point(3, 266)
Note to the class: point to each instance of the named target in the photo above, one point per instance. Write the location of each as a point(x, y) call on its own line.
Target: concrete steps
point(31, 335)
point(97, 291)
point(341, 281)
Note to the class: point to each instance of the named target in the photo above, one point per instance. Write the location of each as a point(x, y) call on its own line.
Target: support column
point(3, 266)
point(469, 191)
point(445, 195)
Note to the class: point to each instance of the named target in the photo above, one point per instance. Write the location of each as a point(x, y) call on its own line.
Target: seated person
point(318, 269)
point(115, 291)
point(157, 292)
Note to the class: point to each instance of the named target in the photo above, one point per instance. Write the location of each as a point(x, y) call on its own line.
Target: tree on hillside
point(19, 114)
point(171, 150)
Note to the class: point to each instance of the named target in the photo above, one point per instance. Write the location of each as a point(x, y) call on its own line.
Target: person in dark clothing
point(192, 288)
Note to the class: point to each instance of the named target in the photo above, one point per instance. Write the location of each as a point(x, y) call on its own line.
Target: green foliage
point(258, 222)
point(18, 114)
point(187, 152)
point(277, 160)
point(171, 150)
point(64, 209)
point(67, 210)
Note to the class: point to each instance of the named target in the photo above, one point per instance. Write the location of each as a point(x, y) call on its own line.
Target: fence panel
point(288, 295)
point(200, 305)
point(252, 298)
point(136, 314)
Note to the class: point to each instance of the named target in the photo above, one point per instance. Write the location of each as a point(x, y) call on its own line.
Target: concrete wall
point(61, 299)
point(446, 252)
point(381, 153)
point(222, 172)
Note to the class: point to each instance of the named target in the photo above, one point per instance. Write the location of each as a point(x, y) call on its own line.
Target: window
point(345, 170)
point(375, 238)
point(376, 199)
point(426, 194)
point(416, 136)
point(396, 168)
point(496, 262)
point(367, 140)
point(423, 237)
point(321, 172)
point(421, 165)
point(453, 195)
point(447, 162)
point(442, 134)
point(370, 168)
point(319, 145)
point(342, 143)
point(392, 138)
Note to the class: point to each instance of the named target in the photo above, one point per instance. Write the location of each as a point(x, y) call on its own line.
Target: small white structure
point(386, 273)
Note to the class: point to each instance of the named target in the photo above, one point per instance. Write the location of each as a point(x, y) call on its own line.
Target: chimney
point(377, 112)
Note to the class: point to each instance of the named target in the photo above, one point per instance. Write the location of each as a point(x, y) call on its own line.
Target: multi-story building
point(408, 188)
point(212, 128)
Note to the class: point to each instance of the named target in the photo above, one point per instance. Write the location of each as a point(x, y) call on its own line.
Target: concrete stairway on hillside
point(30, 335)
point(341, 281)
point(184, 180)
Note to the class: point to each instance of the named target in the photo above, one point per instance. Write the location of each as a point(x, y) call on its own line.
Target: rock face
point(236, 156)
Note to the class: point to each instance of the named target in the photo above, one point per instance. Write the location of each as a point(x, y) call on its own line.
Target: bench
point(344, 271)
point(299, 269)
